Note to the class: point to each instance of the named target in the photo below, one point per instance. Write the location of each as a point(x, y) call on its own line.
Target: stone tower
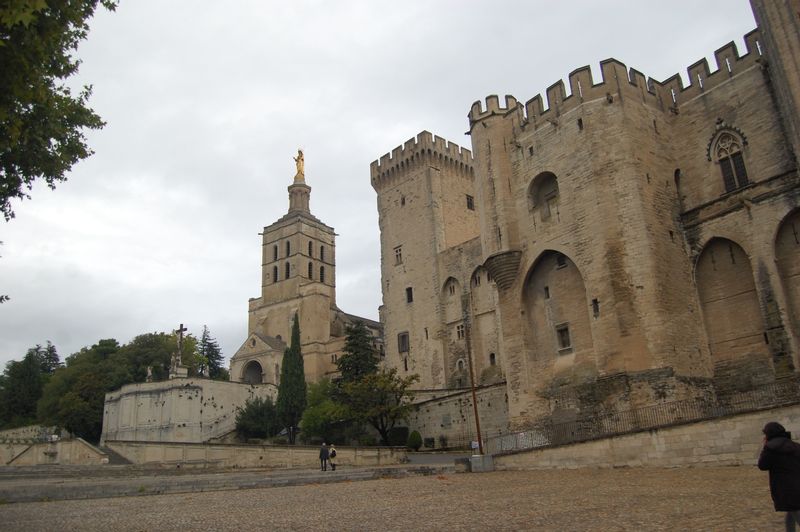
point(298, 275)
point(429, 253)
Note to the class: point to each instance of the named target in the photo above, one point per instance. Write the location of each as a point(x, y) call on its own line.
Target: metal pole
point(466, 306)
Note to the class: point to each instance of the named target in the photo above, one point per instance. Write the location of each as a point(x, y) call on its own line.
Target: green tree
point(324, 418)
point(414, 441)
point(74, 396)
point(209, 356)
point(41, 120)
point(22, 385)
point(258, 419)
point(359, 358)
point(47, 357)
point(292, 390)
point(379, 399)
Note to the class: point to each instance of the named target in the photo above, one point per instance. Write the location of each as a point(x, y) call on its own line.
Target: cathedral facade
point(617, 243)
point(298, 276)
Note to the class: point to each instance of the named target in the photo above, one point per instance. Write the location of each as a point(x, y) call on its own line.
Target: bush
point(398, 436)
point(258, 419)
point(414, 441)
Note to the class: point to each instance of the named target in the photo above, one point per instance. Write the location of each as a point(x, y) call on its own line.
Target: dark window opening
point(580, 124)
point(409, 295)
point(564, 340)
point(470, 203)
point(311, 271)
point(322, 253)
point(402, 342)
point(274, 274)
point(398, 255)
point(402, 201)
point(405, 364)
point(275, 252)
point(460, 331)
point(492, 359)
point(322, 274)
point(288, 248)
point(561, 260)
point(547, 292)
point(595, 307)
point(310, 248)
point(287, 271)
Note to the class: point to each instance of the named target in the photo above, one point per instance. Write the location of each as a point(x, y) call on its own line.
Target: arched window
point(322, 253)
point(728, 152)
point(543, 195)
point(310, 248)
point(274, 274)
point(460, 365)
point(492, 359)
point(311, 271)
point(322, 274)
point(288, 248)
point(286, 275)
point(275, 252)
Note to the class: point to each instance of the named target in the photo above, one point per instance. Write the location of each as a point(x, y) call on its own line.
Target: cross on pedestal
point(177, 369)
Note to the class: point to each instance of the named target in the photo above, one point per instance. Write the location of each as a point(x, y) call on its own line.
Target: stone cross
point(181, 329)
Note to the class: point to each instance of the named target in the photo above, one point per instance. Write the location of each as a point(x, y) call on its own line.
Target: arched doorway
point(252, 373)
point(557, 309)
point(728, 298)
point(787, 256)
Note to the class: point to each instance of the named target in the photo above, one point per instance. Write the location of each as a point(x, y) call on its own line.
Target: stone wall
point(734, 440)
point(449, 419)
point(74, 451)
point(228, 455)
point(178, 410)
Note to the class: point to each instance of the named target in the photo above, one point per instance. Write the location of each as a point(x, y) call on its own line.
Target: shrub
point(414, 441)
point(258, 419)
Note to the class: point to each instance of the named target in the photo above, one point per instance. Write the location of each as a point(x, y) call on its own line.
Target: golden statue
point(300, 162)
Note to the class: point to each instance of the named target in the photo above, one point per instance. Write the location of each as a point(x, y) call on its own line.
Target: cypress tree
point(292, 389)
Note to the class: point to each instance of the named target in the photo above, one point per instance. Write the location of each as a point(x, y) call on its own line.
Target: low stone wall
point(65, 452)
point(734, 440)
point(449, 419)
point(10, 449)
point(29, 433)
point(229, 455)
point(184, 410)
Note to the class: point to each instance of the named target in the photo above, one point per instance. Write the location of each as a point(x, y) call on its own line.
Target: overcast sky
point(207, 102)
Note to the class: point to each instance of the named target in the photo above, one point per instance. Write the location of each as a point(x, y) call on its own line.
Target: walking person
point(323, 457)
point(781, 457)
point(332, 457)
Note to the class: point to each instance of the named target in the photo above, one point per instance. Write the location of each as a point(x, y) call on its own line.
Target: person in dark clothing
point(781, 457)
point(323, 456)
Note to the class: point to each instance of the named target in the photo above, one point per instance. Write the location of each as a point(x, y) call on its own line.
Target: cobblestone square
point(713, 498)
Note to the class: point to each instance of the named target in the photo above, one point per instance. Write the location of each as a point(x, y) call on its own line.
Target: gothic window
point(311, 271)
point(460, 331)
point(322, 274)
point(286, 274)
point(451, 289)
point(398, 255)
point(322, 253)
point(274, 274)
point(275, 252)
point(402, 342)
point(728, 151)
point(460, 365)
point(310, 248)
point(476, 279)
point(288, 248)
point(409, 295)
point(470, 203)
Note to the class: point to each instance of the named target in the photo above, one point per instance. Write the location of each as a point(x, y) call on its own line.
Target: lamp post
point(466, 306)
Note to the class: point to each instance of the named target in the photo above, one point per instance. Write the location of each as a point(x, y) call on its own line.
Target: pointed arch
point(252, 373)
point(787, 258)
point(729, 302)
point(557, 309)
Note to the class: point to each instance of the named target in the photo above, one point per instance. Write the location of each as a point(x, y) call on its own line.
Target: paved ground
point(731, 498)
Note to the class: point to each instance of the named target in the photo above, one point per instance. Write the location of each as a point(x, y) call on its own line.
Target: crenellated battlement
point(424, 147)
point(618, 81)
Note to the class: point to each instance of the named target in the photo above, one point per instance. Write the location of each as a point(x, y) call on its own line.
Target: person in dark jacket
point(323, 456)
point(781, 457)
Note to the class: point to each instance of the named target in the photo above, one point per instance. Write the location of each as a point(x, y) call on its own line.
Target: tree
point(258, 419)
point(21, 388)
point(41, 121)
point(359, 358)
point(210, 356)
point(292, 390)
point(324, 418)
point(379, 399)
point(47, 357)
